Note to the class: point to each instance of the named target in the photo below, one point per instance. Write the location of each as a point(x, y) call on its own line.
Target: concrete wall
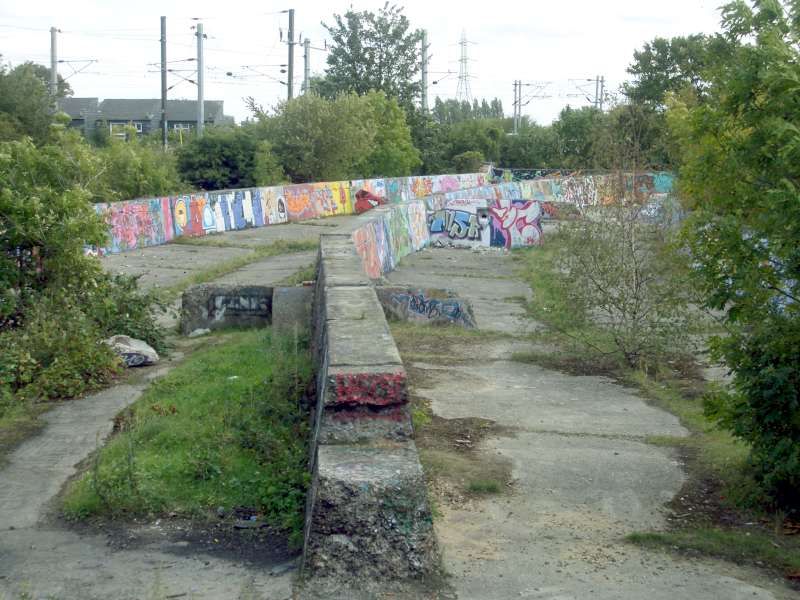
point(153, 221)
point(462, 209)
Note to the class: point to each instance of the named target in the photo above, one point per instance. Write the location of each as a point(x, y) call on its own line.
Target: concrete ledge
point(381, 385)
point(214, 306)
point(365, 424)
point(291, 308)
point(426, 305)
point(370, 518)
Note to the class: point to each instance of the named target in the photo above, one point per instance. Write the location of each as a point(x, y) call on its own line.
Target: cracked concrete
point(582, 476)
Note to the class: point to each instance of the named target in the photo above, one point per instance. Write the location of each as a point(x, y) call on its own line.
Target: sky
point(558, 47)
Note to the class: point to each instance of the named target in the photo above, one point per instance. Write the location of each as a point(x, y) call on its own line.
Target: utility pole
point(306, 64)
point(517, 104)
point(164, 82)
point(200, 105)
point(602, 91)
point(290, 63)
point(597, 91)
point(424, 71)
point(53, 64)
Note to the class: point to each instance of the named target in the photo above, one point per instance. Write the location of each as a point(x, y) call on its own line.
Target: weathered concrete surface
point(582, 476)
point(367, 515)
point(216, 306)
point(486, 278)
point(371, 516)
point(163, 266)
point(291, 309)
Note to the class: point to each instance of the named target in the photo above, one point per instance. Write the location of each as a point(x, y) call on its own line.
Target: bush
point(468, 162)
point(616, 287)
point(57, 305)
point(57, 354)
point(764, 405)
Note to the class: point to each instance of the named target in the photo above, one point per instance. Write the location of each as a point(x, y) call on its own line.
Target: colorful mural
point(466, 208)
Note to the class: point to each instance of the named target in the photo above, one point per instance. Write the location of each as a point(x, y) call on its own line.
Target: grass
point(224, 428)
point(483, 487)
point(234, 264)
point(742, 547)
point(307, 273)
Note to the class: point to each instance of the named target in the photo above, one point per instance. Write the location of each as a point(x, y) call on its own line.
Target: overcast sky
point(560, 43)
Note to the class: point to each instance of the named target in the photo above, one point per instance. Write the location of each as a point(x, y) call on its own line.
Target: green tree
point(670, 65)
point(467, 162)
point(133, 169)
point(534, 146)
point(392, 153)
point(431, 139)
point(741, 179)
point(482, 135)
point(227, 157)
point(575, 130)
point(373, 51)
point(318, 139)
point(26, 107)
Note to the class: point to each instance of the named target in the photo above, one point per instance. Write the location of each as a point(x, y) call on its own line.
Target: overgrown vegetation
point(610, 282)
point(57, 305)
point(224, 429)
point(739, 174)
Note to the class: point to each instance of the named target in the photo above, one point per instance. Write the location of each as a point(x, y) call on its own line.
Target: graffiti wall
point(425, 305)
point(503, 223)
point(153, 221)
point(463, 209)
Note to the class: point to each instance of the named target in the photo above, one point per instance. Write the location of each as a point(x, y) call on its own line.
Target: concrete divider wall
point(367, 513)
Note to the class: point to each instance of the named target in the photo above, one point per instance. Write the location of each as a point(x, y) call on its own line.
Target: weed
point(755, 546)
point(224, 428)
point(483, 487)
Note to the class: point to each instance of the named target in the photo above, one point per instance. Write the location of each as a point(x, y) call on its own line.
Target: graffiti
point(461, 224)
point(421, 308)
point(152, 221)
point(374, 389)
point(517, 224)
point(365, 201)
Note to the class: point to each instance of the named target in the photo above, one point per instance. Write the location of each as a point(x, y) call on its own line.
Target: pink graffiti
point(520, 223)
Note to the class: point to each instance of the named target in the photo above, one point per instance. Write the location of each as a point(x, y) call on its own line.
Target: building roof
point(146, 110)
point(78, 108)
point(132, 109)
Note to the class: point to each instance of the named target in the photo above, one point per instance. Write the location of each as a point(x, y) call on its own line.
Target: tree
point(373, 51)
point(133, 169)
point(670, 65)
point(25, 104)
point(534, 146)
point(482, 135)
point(227, 157)
point(392, 154)
point(741, 179)
point(318, 139)
point(63, 89)
point(575, 129)
point(468, 162)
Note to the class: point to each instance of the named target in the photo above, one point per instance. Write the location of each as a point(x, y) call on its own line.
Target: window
point(181, 127)
point(119, 129)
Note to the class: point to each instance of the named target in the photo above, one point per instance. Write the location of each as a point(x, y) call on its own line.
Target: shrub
point(617, 288)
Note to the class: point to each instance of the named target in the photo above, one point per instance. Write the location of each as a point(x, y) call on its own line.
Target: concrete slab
point(270, 271)
point(163, 266)
point(528, 396)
